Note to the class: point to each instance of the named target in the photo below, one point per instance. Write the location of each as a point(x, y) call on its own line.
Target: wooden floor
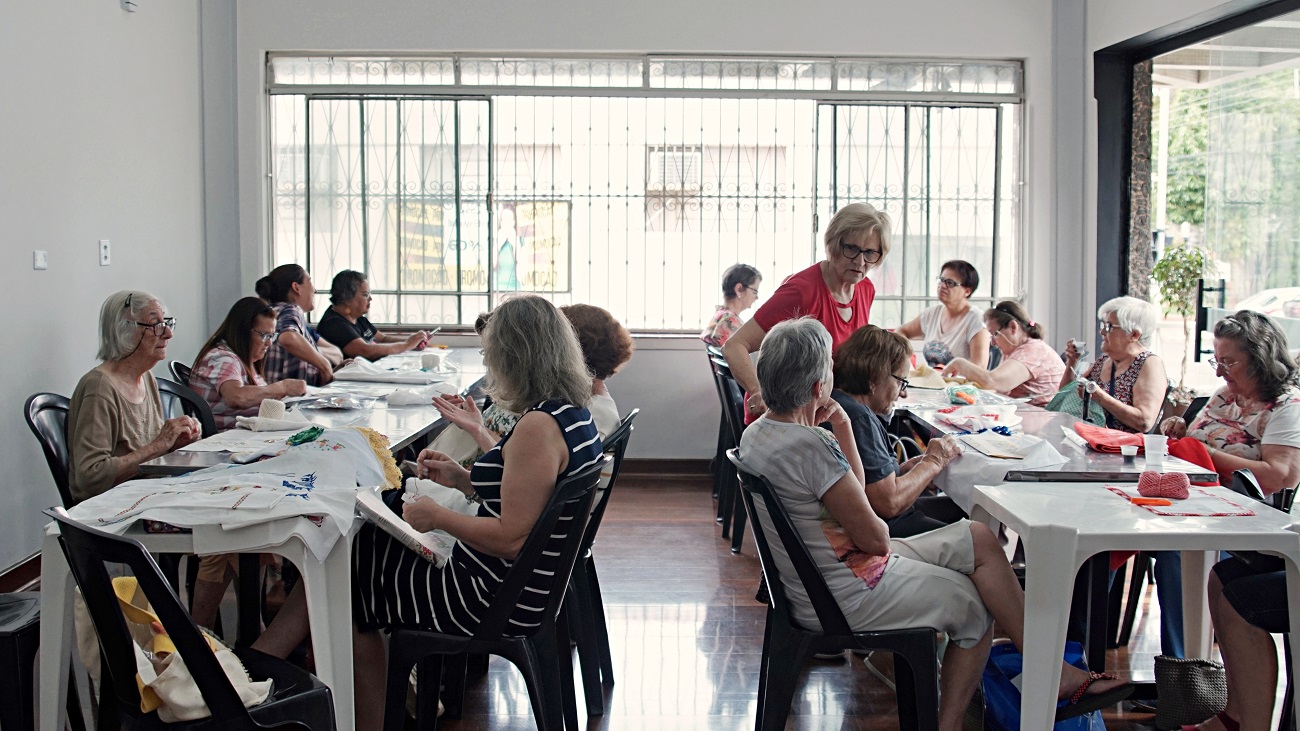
point(687, 634)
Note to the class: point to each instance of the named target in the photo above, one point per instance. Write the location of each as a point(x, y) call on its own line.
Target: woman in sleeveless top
point(953, 328)
point(537, 369)
point(1128, 381)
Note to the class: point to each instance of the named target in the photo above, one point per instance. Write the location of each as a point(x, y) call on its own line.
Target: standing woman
point(294, 354)
point(345, 323)
point(1128, 381)
point(115, 419)
point(952, 328)
point(834, 291)
point(739, 293)
point(1029, 366)
point(228, 371)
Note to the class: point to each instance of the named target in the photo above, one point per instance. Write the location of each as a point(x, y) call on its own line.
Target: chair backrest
point(616, 446)
point(178, 400)
point(570, 503)
point(1194, 408)
point(180, 371)
point(1245, 483)
point(714, 351)
point(87, 550)
point(995, 356)
point(828, 610)
point(47, 417)
point(733, 399)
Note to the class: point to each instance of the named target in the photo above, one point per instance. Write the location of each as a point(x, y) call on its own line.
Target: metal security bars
point(632, 182)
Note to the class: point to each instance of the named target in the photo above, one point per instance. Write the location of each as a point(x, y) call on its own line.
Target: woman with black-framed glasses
point(115, 420)
point(953, 328)
point(834, 291)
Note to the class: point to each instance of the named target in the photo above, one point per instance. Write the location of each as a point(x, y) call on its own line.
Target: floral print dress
point(1240, 428)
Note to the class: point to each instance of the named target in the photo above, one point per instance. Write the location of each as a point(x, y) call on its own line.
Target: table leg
point(329, 607)
point(1051, 562)
point(1197, 639)
point(56, 633)
point(1097, 630)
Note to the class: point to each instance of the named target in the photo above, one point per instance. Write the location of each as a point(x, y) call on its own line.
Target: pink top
point(218, 366)
point(1045, 371)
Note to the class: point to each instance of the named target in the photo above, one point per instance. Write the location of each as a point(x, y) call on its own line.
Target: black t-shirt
point(336, 329)
point(878, 459)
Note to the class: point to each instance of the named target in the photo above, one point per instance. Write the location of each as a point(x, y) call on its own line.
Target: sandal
point(1224, 719)
point(1080, 703)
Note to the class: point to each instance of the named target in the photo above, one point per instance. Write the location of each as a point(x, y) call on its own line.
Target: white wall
point(101, 139)
point(667, 379)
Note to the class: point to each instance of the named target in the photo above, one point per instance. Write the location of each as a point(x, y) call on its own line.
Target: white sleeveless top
point(943, 347)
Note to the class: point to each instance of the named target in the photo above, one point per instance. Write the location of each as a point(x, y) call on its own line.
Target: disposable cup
point(1156, 447)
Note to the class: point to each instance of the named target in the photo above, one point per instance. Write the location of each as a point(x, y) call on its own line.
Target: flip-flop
point(1224, 719)
point(1080, 703)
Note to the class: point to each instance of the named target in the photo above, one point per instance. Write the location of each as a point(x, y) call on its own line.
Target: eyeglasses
point(1226, 365)
point(167, 323)
point(852, 252)
point(946, 282)
point(1104, 327)
point(266, 337)
point(751, 289)
point(902, 382)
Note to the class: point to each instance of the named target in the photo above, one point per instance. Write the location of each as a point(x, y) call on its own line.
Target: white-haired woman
point(955, 579)
point(1128, 380)
point(115, 420)
point(835, 291)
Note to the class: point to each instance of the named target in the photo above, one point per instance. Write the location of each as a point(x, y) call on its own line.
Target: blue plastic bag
point(1002, 697)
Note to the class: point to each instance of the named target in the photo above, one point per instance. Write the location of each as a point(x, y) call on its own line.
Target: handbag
point(1067, 401)
point(1190, 690)
point(1001, 688)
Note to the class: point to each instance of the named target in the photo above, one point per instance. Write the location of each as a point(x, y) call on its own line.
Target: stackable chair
point(47, 417)
point(729, 503)
point(179, 400)
point(298, 701)
point(543, 655)
point(787, 646)
point(180, 371)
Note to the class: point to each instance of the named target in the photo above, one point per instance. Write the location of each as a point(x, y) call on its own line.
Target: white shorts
point(927, 584)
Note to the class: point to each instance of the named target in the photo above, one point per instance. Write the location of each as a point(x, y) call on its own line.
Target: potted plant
point(1178, 273)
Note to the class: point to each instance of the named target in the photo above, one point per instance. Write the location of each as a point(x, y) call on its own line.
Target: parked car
point(1291, 308)
point(1272, 301)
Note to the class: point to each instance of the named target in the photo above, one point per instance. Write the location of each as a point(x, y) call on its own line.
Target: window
point(633, 182)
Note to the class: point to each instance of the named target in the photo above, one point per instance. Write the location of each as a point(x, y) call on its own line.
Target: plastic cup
point(1156, 446)
point(1129, 451)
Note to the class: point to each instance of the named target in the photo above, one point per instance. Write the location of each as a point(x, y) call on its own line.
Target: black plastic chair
point(583, 604)
point(47, 417)
point(787, 647)
point(180, 372)
point(729, 503)
point(299, 699)
point(543, 656)
point(721, 469)
point(1194, 408)
point(178, 400)
point(20, 637)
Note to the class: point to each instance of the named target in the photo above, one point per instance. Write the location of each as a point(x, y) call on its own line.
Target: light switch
point(40, 260)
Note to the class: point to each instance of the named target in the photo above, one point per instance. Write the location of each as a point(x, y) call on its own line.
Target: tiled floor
point(687, 634)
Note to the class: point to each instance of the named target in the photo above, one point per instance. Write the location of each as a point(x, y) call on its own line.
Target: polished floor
point(687, 634)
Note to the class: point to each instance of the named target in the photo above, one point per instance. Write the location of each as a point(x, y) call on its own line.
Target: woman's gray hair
point(1265, 346)
point(118, 333)
point(1133, 315)
point(533, 355)
point(796, 355)
point(853, 219)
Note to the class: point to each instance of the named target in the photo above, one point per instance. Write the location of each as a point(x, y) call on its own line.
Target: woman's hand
point(436, 466)
point(831, 411)
point(293, 387)
point(417, 340)
point(178, 432)
point(461, 411)
point(422, 514)
point(955, 367)
point(1071, 354)
point(1174, 427)
point(754, 400)
point(942, 450)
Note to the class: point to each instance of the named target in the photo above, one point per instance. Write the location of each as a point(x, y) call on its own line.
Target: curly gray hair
point(1265, 346)
point(118, 333)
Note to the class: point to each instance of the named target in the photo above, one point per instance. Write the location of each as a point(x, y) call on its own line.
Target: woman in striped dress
point(536, 367)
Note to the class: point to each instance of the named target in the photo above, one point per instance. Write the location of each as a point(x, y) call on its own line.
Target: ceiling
point(1266, 46)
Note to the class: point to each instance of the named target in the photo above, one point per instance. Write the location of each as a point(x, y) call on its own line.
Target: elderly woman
point(228, 371)
point(296, 352)
point(955, 579)
point(870, 375)
point(1029, 366)
point(537, 370)
point(834, 291)
point(1128, 381)
point(115, 419)
point(606, 347)
point(739, 293)
point(345, 323)
point(952, 328)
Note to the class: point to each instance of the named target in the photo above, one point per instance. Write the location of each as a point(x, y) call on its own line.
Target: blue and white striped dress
point(393, 587)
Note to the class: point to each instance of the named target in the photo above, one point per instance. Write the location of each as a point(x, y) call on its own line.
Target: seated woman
point(344, 322)
point(1029, 366)
point(955, 579)
point(739, 293)
point(606, 347)
point(228, 371)
point(1253, 421)
point(953, 328)
point(115, 419)
point(295, 353)
point(1128, 381)
point(870, 371)
point(536, 369)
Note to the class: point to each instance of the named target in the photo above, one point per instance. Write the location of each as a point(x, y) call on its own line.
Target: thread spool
point(271, 409)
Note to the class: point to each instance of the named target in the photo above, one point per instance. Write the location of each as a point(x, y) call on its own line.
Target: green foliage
point(1188, 136)
point(1178, 272)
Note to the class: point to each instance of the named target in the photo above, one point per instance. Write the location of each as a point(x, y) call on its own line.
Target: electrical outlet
point(105, 253)
point(40, 260)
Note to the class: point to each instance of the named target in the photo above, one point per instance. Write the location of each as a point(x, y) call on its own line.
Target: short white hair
point(1133, 315)
point(118, 333)
point(796, 355)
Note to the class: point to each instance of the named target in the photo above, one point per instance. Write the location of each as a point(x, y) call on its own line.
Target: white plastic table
point(329, 599)
point(1063, 524)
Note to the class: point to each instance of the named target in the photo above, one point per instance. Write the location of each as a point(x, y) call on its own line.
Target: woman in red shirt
point(834, 291)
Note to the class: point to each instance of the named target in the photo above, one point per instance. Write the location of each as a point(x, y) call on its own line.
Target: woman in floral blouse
point(740, 292)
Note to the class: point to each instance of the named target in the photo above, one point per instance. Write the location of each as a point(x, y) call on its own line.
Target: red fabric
point(1192, 450)
point(805, 294)
point(1106, 440)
